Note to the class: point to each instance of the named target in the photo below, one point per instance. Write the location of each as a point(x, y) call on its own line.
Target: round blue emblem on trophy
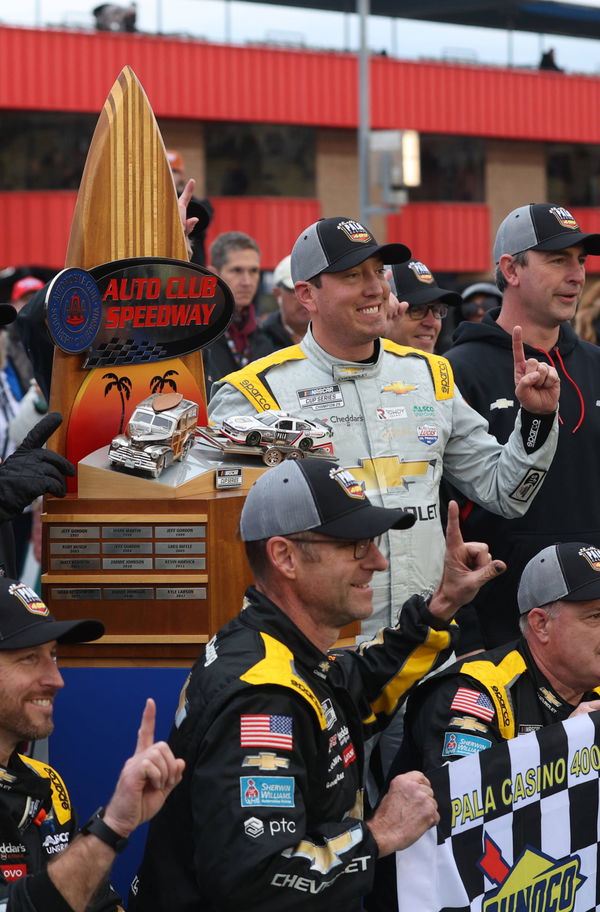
point(73, 310)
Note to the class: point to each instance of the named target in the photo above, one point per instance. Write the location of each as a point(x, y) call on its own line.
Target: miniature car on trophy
point(272, 435)
point(276, 427)
point(160, 431)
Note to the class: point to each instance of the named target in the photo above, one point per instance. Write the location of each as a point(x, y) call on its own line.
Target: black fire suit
point(269, 814)
point(507, 696)
point(516, 695)
point(37, 821)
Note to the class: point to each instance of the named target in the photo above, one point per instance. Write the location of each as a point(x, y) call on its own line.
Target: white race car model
point(277, 428)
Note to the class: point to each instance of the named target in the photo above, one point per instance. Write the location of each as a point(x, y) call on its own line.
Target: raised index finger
point(454, 537)
point(146, 731)
point(188, 191)
point(517, 346)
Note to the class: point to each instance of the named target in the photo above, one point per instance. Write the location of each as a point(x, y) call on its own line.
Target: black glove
point(31, 471)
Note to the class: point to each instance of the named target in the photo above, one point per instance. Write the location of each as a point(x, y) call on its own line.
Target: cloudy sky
point(238, 22)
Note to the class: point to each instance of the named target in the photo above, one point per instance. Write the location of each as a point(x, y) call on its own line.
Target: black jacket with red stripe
point(567, 507)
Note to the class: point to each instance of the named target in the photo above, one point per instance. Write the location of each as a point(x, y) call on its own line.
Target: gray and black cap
point(335, 244)
point(414, 282)
point(568, 571)
point(541, 226)
point(315, 495)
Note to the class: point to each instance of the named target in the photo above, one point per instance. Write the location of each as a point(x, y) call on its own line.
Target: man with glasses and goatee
point(270, 812)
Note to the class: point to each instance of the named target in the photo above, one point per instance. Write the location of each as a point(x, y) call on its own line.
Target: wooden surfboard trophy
point(162, 567)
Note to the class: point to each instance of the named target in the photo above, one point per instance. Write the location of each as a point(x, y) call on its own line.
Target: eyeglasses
point(361, 545)
point(420, 311)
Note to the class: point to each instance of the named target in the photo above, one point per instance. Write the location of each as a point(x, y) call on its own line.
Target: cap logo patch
point(592, 556)
point(348, 482)
point(29, 599)
point(421, 272)
point(356, 232)
point(564, 217)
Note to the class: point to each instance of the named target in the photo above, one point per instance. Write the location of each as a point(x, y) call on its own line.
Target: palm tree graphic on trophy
point(158, 383)
point(123, 387)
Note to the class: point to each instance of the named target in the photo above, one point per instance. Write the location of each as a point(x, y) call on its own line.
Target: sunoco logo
point(535, 883)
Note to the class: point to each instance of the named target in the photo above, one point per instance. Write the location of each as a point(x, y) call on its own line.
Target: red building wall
point(50, 69)
point(73, 71)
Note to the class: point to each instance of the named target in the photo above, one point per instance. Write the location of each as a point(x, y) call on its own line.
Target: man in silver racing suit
point(398, 419)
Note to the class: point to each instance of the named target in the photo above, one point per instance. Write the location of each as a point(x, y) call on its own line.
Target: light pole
point(364, 112)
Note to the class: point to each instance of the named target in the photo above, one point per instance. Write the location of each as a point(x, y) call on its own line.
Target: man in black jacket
point(45, 864)
point(540, 253)
point(235, 257)
point(552, 672)
point(270, 813)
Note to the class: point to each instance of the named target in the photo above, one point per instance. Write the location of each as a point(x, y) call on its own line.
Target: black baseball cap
point(335, 244)
point(568, 571)
point(541, 226)
point(315, 495)
point(26, 621)
point(414, 282)
point(8, 314)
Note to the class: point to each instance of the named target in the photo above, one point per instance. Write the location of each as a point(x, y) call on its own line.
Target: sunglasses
point(419, 311)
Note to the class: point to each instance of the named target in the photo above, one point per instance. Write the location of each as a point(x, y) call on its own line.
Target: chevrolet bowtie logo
point(389, 472)
point(266, 761)
point(502, 403)
point(398, 387)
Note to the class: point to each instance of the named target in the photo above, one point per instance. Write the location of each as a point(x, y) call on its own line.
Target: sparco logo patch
point(444, 377)
point(255, 394)
point(502, 704)
point(533, 433)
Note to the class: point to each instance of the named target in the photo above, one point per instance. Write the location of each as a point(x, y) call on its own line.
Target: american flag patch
point(470, 701)
point(266, 731)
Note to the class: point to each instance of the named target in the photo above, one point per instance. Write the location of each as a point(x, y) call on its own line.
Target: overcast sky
point(238, 22)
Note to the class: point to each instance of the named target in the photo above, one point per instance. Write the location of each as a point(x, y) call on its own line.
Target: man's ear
point(282, 555)
point(539, 621)
point(508, 267)
point(305, 292)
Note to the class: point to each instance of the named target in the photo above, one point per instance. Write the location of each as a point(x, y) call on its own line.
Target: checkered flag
point(519, 828)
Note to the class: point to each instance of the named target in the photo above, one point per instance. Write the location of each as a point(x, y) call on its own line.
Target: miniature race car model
point(275, 427)
point(272, 435)
point(160, 431)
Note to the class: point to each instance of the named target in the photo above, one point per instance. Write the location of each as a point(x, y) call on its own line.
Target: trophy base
point(194, 477)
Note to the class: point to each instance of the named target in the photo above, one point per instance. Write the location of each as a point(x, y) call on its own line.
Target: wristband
point(96, 827)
